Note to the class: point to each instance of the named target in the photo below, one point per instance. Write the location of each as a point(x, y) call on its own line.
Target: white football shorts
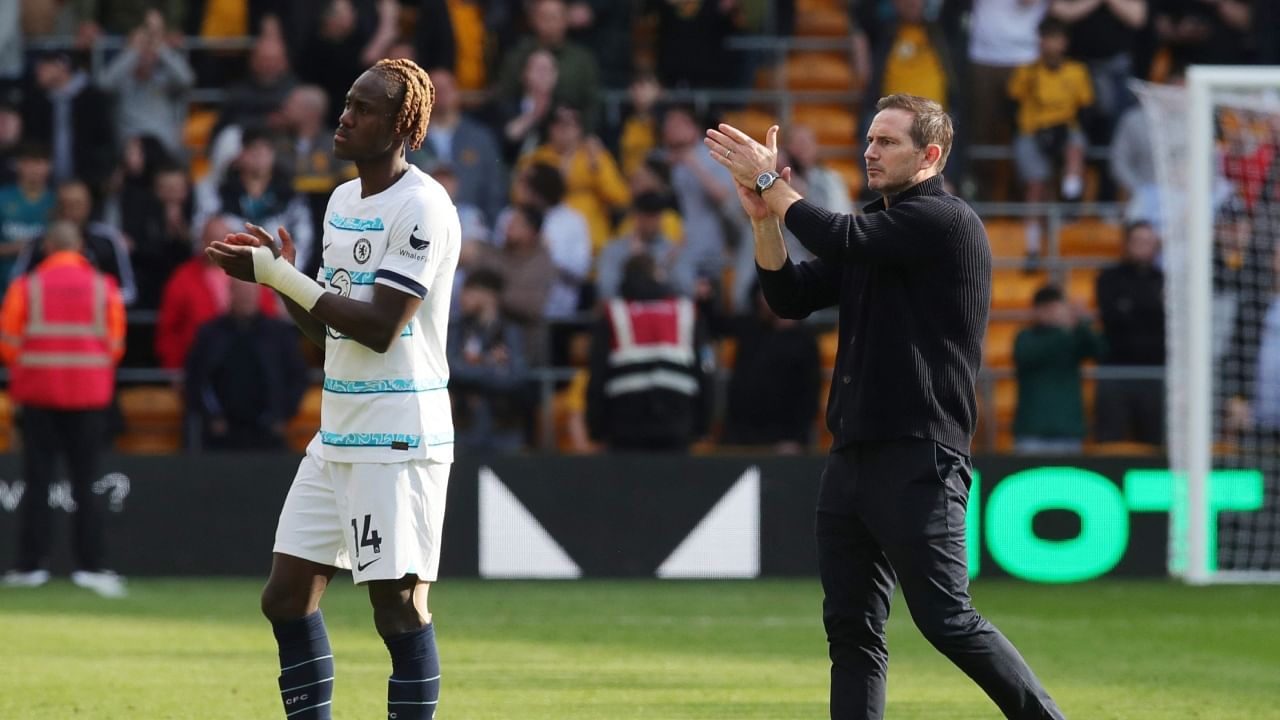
point(381, 521)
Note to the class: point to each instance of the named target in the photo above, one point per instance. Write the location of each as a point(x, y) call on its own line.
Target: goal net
point(1216, 146)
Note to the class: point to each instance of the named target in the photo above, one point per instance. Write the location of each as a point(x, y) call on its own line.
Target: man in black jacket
point(912, 280)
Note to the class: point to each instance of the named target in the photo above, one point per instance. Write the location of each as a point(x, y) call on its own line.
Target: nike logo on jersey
point(360, 567)
point(416, 242)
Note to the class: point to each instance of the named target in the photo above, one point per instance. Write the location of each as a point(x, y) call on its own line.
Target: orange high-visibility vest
point(66, 356)
point(653, 347)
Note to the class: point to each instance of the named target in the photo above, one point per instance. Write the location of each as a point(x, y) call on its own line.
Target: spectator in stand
point(646, 238)
point(528, 276)
point(776, 381)
point(474, 226)
point(604, 28)
point(1241, 271)
point(523, 117)
point(1130, 298)
point(564, 234)
point(703, 189)
point(1047, 358)
point(1103, 34)
point(634, 401)
point(1002, 38)
point(820, 184)
point(160, 229)
point(435, 43)
point(10, 135)
point(1051, 93)
point(593, 184)
point(638, 135)
point(466, 146)
point(256, 192)
point(654, 176)
point(149, 80)
point(1206, 32)
point(11, 44)
point(253, 101)
point(487, 369)
point(691, 51)
point(102, 244)
point(25, 206)
point(577, 78)
point(95, 18)
point(908, 53)
point(350, 37)
point(197, 292)
point(306, 153)
point(245, 375)
point(1251, 373)
point(67, 114)
point(472, 42)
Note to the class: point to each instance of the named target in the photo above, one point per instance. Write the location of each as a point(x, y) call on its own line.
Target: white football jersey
point(393, 406)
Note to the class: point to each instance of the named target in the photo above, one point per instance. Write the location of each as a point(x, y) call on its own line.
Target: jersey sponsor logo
point(362, 251)
point(416, 242)
point(343, 222)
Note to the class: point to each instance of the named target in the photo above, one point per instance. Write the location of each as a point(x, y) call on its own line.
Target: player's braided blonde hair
point(419, 96)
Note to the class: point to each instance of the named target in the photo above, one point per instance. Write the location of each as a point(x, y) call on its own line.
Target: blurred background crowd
point(568, 134)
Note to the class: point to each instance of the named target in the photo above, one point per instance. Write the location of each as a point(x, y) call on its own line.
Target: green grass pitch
point(634, 649)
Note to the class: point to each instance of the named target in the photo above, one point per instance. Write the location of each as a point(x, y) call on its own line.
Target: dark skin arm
point(374, 324)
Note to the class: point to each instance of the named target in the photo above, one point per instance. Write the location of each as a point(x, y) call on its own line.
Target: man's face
point(1055, 313)
point(565, 131)
point(540, 72)
point(447, 97)
point(1053, 47)
point(365, 128)
point(477, 301)
point(891, 156)
point(520, 234)
point(10, 126)
point(1142, 245)
point(678, 129)
point(33, 171)
point(52, 73)
point(550, 21)
point(74, 203)
point(802, 145)
point(909, 11)
point(171, 187)
point(268, 60)
point(648, 225)
point(257, 158)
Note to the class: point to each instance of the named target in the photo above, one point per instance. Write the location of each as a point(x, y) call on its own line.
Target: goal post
point(1217, 158)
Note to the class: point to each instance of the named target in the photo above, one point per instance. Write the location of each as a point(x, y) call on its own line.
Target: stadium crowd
point(564, 133)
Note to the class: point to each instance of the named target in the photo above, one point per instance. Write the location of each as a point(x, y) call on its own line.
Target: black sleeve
point(911, 232)
point(795, 291)
point(599, 368)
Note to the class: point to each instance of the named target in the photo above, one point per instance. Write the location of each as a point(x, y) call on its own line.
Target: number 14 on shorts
point(366, 537)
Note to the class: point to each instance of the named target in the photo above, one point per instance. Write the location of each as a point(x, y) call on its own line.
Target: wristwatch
point(765, 180)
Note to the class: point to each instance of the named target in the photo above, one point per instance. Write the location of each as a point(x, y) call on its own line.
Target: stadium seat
point(821, 19)
point(835, 125)
point(752, 122)
point(6, 422)
point(1123, 448)
point(303, 426)
point(997, 351)
point(1008, 238)
point(153, 419)
point(851, 171)
point(828, 344)
point(727, 352)
point(1082, 286)
point(1012, 289)
point(819, 71)
point(1091, 238)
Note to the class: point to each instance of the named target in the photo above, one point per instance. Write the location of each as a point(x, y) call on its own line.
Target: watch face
point(764, 179)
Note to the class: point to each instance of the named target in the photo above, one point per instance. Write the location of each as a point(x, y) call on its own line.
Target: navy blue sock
point(414, 685)
point(306, 668)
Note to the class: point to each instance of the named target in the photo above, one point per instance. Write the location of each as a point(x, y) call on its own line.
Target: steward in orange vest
point(61, 334)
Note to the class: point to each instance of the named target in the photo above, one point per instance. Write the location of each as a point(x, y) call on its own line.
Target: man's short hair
point(485, 279)
point(532, 216)
point(1047, 294)
point(547, 183)
point(31, 150)
point(257, 133)
point(931, 125)
point(649, 203)
point(1131, 227)
point(1051, 25)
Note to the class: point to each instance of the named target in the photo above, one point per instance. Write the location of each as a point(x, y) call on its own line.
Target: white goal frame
point(1196, 345)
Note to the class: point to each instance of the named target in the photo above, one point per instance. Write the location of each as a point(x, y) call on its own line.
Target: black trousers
point(1129, 410)
point(894, 512)
point(76, 436)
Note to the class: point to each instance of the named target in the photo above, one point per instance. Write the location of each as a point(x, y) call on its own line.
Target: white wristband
point(278, 273)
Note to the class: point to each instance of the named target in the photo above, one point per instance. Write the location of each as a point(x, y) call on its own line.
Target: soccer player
point(370, 493)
